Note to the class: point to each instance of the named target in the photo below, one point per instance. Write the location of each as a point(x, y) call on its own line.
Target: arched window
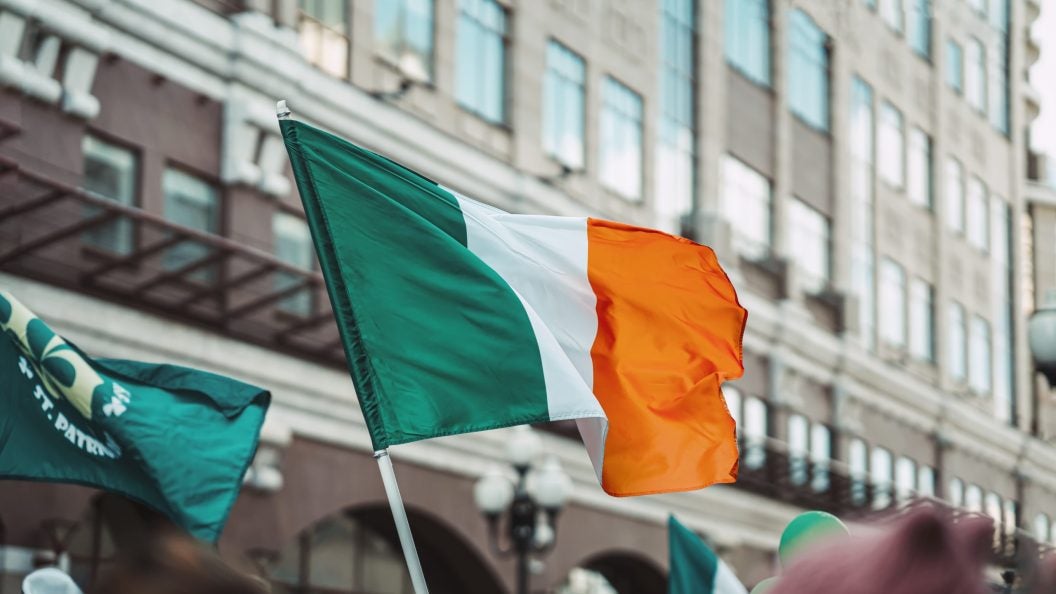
point(615, 573)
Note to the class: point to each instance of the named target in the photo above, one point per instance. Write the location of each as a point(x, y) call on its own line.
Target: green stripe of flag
point(437, 343)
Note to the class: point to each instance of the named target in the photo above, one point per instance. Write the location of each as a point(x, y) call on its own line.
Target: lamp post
point(530, 504)
point(1041, 335)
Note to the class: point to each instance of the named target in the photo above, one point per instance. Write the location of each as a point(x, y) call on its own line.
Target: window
point(891, 143)
point(998, 77)
point(193, 203)
point(919, 34)
point(973, 499)
point(755, 423)
point(1041, 528)
point(955, 195)
point(858, 463)
point(293, 245)
point(403, 30)
point(863, 269)
point(918, 168)
point(1002, 282)
point(997, 80)
point(621, 139)
point(109, 172)
point(993, 507)
point(323, 33)
point(926, 481)
point(733, 400)
point(746, 199)
point(809, 238)
point(921, 320)
point(881, 470)
point(975, 75)
point(675, 160)
point(955, 492)
point(563, 106)
point(978, 6)
point(808, 71)
point(892, 303)
point(892, 13)
point(481, 68)
point(958, 348)
point(798, 448)
point(979, 370)
point(820, 454)
point(1011, 518)
point(954, 66)
point(977, 214)
point(905, 479)
point(748, 38)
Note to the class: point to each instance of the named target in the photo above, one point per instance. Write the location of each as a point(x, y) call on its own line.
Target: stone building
point(860, 166)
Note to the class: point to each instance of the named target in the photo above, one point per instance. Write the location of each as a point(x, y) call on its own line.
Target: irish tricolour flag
point(459, 317)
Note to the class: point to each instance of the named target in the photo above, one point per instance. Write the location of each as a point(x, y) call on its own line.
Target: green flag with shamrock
point(173, 438)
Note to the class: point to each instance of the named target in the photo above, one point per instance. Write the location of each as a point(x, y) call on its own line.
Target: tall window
point(323, 32)
point(893, 14)
point(748, 38)
point(675, 161)
point(820, 454)
point(891, 143)
point(977, 216)
point(808, 71)
point(735, 404)
point(979, 371)
point(975, 75)
point(905, 479)
point(955, 492)
point(998, 77)
point(921, 320)
point(194, 203)
point(1041, 528)
point(403, 30)
point(481, 68)
point(918, 168)
point(858, 463)
point(798, 448)
point(958, 347)
point(746, 199)
point(863, 272)
point(955, 195)
point(919, 34)
point(563, 105)
point(755, 423)
point(954, 66)
point(892, 303)
point(293, 245)
point(926, 481)
point(109, 172)
point(973, 498)
point(1002, 283)
point(880, 466)
point(809, 237)
point(621, 139)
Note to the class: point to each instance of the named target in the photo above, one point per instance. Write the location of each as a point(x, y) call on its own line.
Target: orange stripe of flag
point(669, 333)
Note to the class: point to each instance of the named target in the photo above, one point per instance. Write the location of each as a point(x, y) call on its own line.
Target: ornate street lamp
point(530, 505)
point(1041, 334)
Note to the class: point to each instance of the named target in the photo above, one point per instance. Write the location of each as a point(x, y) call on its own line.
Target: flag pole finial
point(282, 110)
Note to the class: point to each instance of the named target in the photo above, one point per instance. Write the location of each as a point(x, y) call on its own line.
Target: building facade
point(859, 166)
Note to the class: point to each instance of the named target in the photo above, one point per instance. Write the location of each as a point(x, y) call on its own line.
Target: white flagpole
point(403, 527)
point(388, 477)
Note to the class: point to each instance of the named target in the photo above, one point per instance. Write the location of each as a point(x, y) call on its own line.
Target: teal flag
point(695, 568)
point(175, 439)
